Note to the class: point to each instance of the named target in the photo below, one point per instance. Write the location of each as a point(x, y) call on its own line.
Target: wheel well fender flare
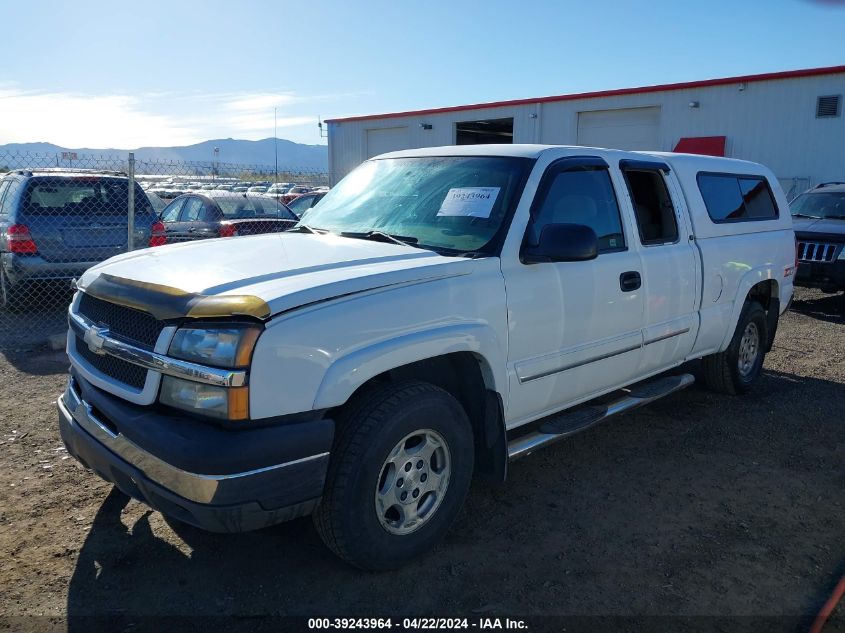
point(349, 372)
point(749, 280)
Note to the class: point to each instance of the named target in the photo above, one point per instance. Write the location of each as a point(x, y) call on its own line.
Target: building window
point(828, 106)
point(484, 132)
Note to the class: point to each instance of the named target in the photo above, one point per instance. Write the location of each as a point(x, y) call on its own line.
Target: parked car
point(294, 192)
point(279, 188)
point(55, 223)
point(257, 189)
point(471, 306)
point(155, 201)
point(818, 216)
point(304, 202)
point(208, 214)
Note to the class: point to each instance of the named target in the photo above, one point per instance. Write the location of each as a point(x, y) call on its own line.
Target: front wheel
point(735, 370)
point(400, 470)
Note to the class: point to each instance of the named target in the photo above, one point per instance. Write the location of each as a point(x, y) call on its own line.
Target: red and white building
point(791, 121)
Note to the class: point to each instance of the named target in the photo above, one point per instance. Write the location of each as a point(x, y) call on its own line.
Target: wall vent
point(829, 106)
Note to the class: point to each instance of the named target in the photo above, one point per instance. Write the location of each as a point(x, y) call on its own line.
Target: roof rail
point(68, 170)
point(828, 184)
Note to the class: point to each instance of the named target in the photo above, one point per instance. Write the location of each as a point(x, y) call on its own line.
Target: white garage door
point(629, 128)
point(387, 139)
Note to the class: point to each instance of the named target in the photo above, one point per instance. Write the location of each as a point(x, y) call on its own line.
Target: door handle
point(630, 280)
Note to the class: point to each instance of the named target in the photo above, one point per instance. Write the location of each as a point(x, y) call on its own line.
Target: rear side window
point(737, 198)
point(4, 188)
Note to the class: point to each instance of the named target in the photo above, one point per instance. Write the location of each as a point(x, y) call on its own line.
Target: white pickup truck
point(440, 312)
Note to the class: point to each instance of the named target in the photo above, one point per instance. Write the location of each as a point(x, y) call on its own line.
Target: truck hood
point(281, 270)
point(822, 225)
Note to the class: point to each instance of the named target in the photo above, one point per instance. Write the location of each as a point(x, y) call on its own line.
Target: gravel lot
point(700, 505)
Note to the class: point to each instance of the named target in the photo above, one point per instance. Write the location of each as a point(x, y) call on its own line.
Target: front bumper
point(829, 276)
point(214, 478)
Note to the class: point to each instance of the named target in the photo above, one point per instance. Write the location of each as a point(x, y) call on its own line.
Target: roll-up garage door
point(625, 128)
point(387, 139)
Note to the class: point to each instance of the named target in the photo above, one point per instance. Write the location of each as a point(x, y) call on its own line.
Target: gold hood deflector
point(165, 302)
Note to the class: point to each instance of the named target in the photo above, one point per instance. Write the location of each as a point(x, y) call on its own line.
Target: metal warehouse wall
point(773, 122)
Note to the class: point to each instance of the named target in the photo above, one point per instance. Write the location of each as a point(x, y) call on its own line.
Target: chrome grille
point(133, 326)
point(120, 370)
point(817, 251)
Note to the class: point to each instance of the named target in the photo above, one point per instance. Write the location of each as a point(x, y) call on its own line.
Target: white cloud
point(128, 121)
point(75, 120)
point(261, 102)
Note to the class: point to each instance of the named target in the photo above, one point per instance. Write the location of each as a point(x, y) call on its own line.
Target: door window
point(652, 206)
point(192, 209)
point(171, 211)
point(582, 195)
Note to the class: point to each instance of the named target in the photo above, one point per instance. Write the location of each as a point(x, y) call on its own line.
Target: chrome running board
point(569, 422)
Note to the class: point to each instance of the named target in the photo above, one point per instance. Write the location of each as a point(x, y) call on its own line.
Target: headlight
point(227, 403)
point(224, 346)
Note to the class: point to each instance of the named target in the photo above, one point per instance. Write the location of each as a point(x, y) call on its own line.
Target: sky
point(124, 75)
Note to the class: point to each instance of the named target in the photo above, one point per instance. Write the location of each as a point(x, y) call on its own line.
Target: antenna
point(323, 132)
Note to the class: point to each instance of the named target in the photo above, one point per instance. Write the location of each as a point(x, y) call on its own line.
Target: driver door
point(574, 327)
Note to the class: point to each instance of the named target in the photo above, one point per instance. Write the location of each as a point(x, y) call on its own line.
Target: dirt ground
point(698, 506)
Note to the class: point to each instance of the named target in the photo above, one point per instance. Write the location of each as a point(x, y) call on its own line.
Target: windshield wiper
point(834, 217)
point(381, 236)
point(304, 228)
point(804, 215)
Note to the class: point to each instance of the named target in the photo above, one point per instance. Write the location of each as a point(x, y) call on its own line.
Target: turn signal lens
point(225, 403)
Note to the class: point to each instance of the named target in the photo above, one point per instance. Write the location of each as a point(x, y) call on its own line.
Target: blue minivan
point(56, 223)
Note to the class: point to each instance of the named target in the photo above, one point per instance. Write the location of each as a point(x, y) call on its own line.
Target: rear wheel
point(401, 467)
point(735, 370)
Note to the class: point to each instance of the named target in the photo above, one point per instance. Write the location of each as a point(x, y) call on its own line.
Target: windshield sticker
point(474, 202)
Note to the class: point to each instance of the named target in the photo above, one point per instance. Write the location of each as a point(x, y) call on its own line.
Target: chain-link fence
point(62, 213)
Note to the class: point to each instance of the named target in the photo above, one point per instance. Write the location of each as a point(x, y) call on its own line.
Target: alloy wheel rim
point(749, 349)
point(412, 482)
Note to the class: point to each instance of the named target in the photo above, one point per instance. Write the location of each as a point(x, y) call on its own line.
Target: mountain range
point(291, 155)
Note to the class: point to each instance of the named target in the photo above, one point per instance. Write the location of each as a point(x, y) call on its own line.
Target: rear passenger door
point(670, 268)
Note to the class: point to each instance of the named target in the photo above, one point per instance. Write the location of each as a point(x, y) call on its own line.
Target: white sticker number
point(474, 202)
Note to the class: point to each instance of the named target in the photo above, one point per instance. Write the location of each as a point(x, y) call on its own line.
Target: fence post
point(130, 225)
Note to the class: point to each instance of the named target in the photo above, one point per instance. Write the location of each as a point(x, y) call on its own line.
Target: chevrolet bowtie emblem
point(95, 338)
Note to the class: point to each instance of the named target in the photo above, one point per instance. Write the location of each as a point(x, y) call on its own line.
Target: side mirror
point(563, 243)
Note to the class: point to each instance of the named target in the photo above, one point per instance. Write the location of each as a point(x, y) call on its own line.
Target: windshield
point(455, 203)
point(819, 205)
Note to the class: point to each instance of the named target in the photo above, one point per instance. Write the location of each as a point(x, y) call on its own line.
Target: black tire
point(722, 372)
point(369, 429)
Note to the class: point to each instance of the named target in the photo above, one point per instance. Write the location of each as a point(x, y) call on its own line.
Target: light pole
point(275, 148)
point(215, 171)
